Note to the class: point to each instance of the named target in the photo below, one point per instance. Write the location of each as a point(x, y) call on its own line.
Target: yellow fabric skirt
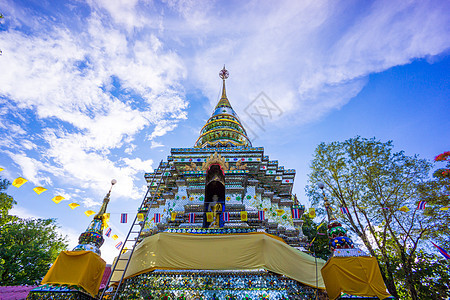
point(177, 251)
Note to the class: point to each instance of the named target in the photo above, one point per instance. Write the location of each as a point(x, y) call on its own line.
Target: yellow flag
point(39, 190)
point(18, 182)
point(140, 217)
point(124, 250)
point(73, 205)
point(173, 216)
point(1, 169)
point(106, 217)
point(58, 199)
point(115, 237)
point(404, 209)
point(279, 211)
point(244, 216)
point(89, 213)
point(444, 208)
point(312, 212)
point(209, 217)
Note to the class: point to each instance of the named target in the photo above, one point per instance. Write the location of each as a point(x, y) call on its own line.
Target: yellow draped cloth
point(175, 251)
point(80, 268)
point(359, 276)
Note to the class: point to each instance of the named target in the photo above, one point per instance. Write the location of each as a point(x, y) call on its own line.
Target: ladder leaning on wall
point(134, 234)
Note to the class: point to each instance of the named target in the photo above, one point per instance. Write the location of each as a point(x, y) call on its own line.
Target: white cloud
point(100, 88)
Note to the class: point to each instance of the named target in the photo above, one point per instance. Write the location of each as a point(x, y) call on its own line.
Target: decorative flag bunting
point(209, 217)
point(58, 199)
point(443, 252)
point(140, 217)
point(123, 218)
point(73, 205)
point(157, 218)
point(191, 218)
point(39, 190)
point(421, 204)
point(261, 215)
point(404, 209)
point(119, 245)
point(1, 169)
point(108, 232)
point(244, 216)
point(115, 237)
point(89, 213)
point(444, 208)
point(173, 216)
point(344, 210)
point(226, 216)
point(296, 213)
point(312, 212)
point(18, 182)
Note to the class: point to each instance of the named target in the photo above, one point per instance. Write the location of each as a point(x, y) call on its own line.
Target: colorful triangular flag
point(18, 182)
point(39, 190)
point(73, 205)
point(89, 213)
point(58, 199)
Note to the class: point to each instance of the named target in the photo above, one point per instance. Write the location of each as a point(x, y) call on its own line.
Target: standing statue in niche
point(216, 209)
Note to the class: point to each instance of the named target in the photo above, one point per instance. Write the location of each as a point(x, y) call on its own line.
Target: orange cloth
point(359, 276)
point(80, 268)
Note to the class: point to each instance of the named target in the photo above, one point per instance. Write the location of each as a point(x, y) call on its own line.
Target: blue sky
point(101, 89)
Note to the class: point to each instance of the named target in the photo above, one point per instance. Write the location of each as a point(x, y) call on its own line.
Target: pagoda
point(219, 221)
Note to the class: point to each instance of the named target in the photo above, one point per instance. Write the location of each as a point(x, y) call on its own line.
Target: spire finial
point(224, 75)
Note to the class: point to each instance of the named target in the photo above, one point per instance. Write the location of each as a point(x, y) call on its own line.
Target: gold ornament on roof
point(191, 167)
point(215, 159)
point(239, 166)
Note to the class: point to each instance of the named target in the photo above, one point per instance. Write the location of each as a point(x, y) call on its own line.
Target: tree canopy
point(381, 190)
point(27, 246)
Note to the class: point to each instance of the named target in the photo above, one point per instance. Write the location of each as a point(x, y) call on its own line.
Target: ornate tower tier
point(223, 129)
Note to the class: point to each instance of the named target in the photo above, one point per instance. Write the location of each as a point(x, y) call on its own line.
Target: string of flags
point(20, 181)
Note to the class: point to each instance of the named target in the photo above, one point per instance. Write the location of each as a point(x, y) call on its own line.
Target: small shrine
point(77, 274)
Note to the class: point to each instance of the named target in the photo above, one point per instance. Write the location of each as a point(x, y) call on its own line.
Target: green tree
point(317, 237)
point(380, 188)
point(27, 246)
